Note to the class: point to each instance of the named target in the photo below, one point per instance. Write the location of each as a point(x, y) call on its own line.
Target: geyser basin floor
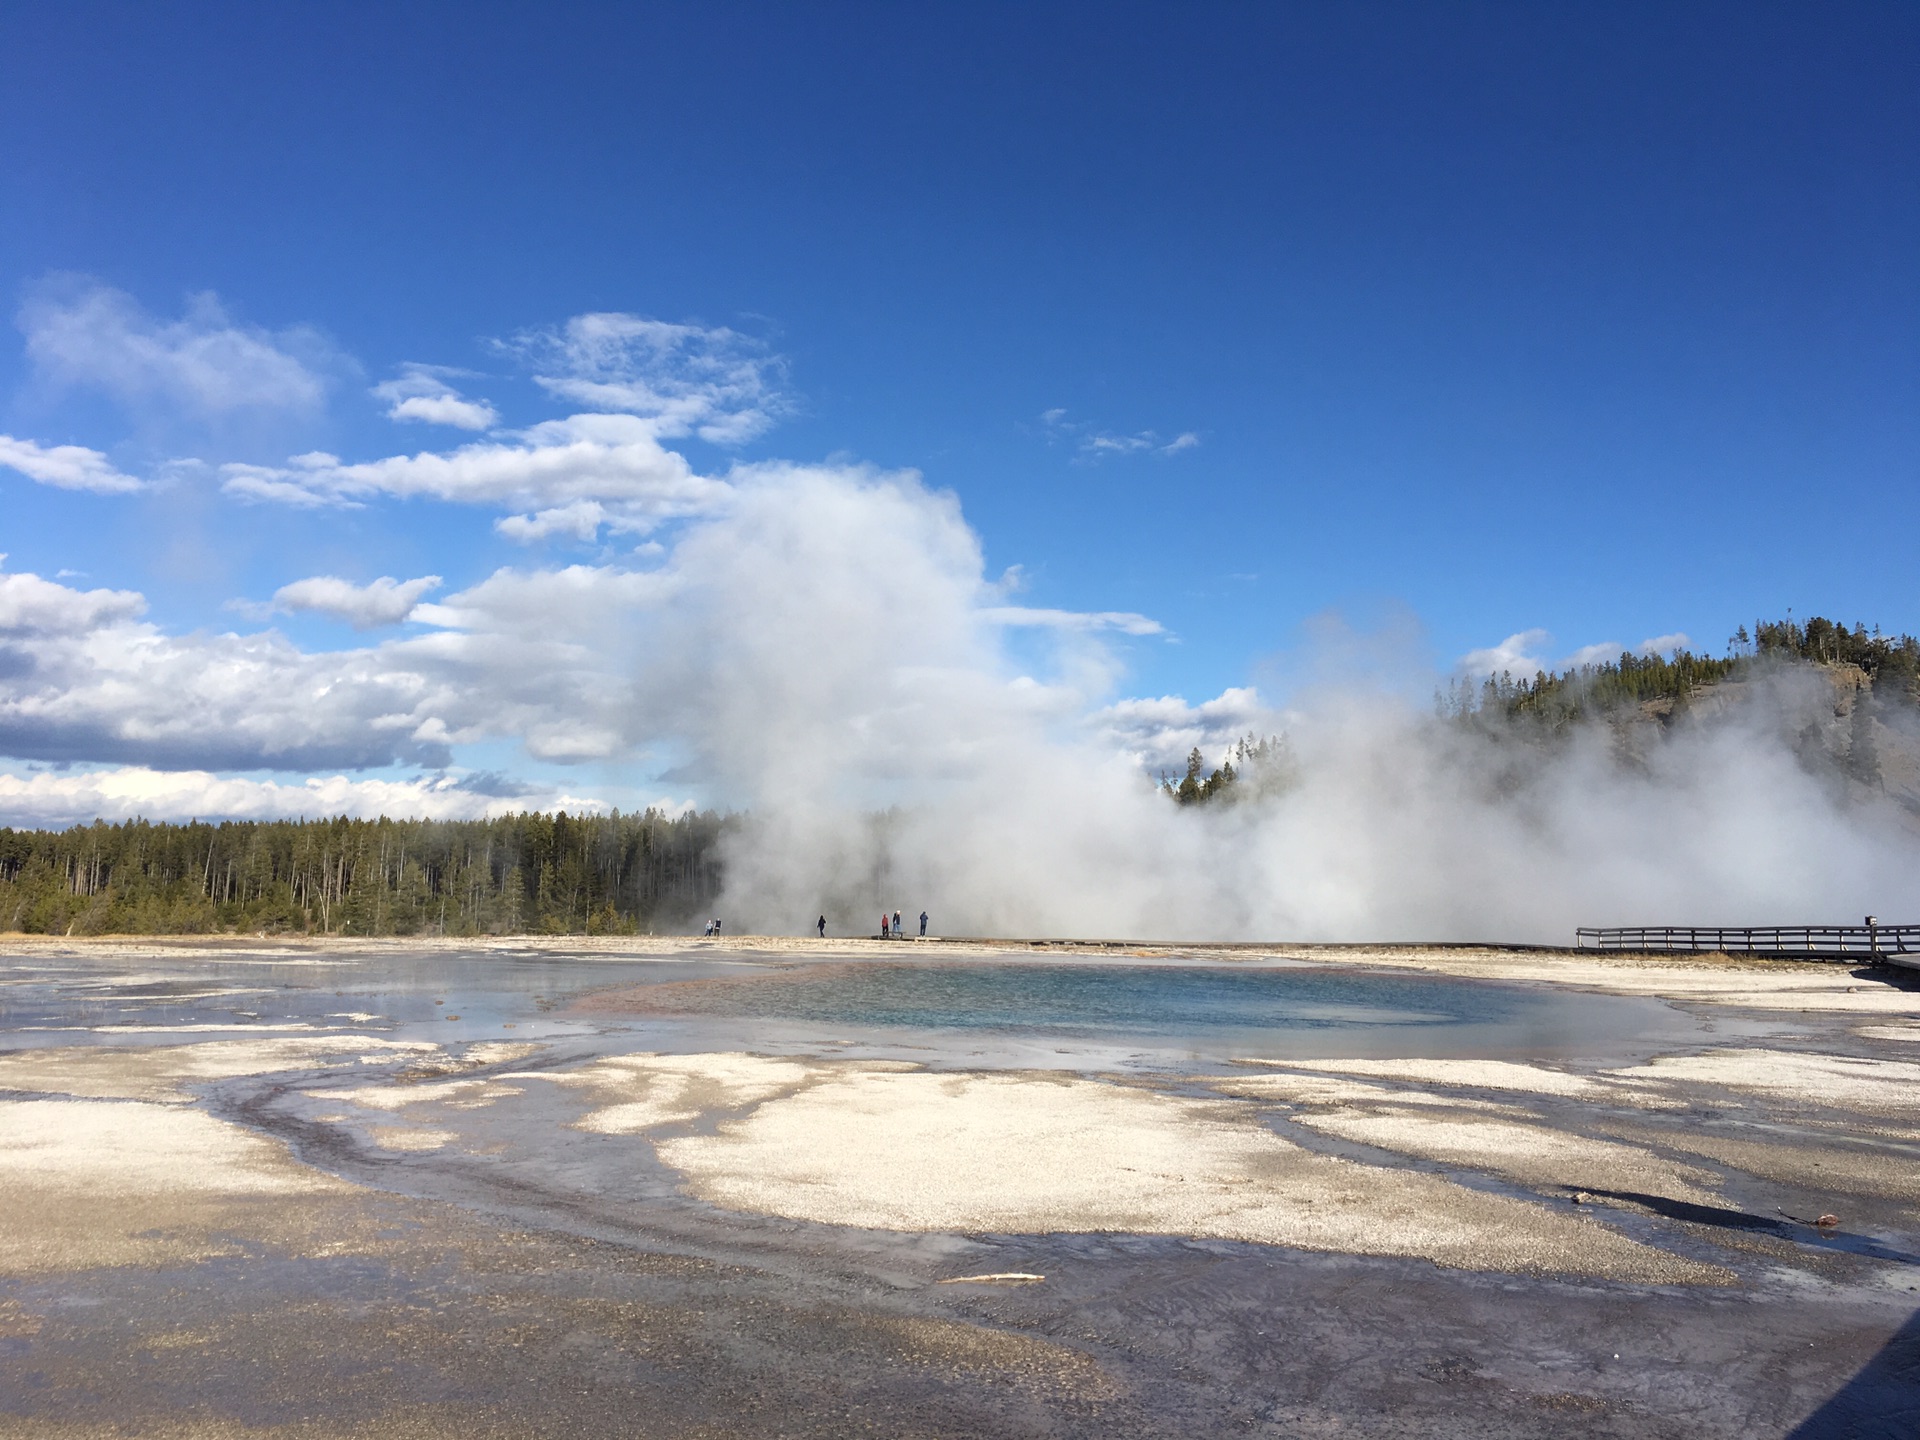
point(340, 1210)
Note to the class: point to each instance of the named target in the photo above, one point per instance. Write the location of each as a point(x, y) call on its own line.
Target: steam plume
point(830, 657)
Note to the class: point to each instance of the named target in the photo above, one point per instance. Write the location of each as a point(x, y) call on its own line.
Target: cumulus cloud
point(1158, 733)
point(1518, 654)
point(82, 333)
point(31, 607)
point(1094, 444)
point(580, 520)
point(66, 467)
point(84, 680)
point(131, 792)
point(716, 383)
point(612, 462)
point(385, 601)
point(1525, 653)
point(421, 392)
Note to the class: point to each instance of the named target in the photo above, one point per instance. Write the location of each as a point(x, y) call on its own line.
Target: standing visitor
point(897, 931)
point(823, 927)
point(883, 924)
point(923, 924)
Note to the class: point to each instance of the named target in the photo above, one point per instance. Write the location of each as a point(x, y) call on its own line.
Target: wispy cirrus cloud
point(579, 473)
point(1032, 618)
point(569, 478)
point(65, 467)
point(81, 333)
point(716, 383)
point(1093, 443)
point(1526, 652)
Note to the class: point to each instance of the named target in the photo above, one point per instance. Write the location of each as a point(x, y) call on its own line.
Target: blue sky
point(1467, 321)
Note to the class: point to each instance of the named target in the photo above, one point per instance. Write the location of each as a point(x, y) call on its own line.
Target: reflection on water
point(1016, 1011)
point(1110, 998)
point(1258, 1011)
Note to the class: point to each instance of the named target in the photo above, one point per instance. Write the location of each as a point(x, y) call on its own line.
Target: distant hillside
point(1856, 723)
point(1889, 666)
point(1848, 700)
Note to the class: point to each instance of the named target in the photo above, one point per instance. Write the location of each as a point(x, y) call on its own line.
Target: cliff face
point(1863, 742)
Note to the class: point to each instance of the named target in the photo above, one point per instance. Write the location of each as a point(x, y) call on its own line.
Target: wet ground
point(767, 1190)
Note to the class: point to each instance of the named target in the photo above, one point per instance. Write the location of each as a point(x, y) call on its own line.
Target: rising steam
point(829, 656)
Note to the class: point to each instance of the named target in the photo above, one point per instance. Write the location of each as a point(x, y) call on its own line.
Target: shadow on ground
point(1800, 1231)
point(1882, 1402)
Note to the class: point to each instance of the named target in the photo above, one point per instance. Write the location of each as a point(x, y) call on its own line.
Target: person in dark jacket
point(923, 924)
point(823, 927)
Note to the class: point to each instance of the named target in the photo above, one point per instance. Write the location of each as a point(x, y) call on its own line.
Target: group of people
point(891, 926)
point(899, 931)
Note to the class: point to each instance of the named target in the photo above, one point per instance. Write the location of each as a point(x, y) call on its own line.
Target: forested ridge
point(515, 874)
point(1891, 665)
point(1548, 703)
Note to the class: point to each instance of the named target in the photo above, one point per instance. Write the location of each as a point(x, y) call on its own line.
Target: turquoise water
point(1253, 1010)
point(1012, 1011)
point(1113, 998)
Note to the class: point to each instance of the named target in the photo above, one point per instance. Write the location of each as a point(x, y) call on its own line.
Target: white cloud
point(67, 467)
point(1028, 617)
point(1095, 444)
point(385, 601)
point(613, 461)
point(130, 792)
point(1524, 654)
point(582, 520)
point(1665, 644)
point(80, 332)
point(1603, 653)
point(421, 392)
point(1518, 654)
point(1158, 733)
point(718, 384)
point(584, 662)
point(33, 607)
point(539, 658)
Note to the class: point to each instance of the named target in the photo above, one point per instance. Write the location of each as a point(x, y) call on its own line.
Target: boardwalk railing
point(1821, 941)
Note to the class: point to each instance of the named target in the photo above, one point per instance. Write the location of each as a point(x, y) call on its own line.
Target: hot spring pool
point(1266, 1010)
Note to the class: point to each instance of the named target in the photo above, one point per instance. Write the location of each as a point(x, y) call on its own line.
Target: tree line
point(1253, 767)
point(515, 874)
point(1890, 663)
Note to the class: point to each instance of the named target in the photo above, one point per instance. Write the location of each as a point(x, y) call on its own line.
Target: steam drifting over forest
point(1776, 783)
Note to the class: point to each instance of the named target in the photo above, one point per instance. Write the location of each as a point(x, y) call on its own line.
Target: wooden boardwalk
point(1888, 944)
